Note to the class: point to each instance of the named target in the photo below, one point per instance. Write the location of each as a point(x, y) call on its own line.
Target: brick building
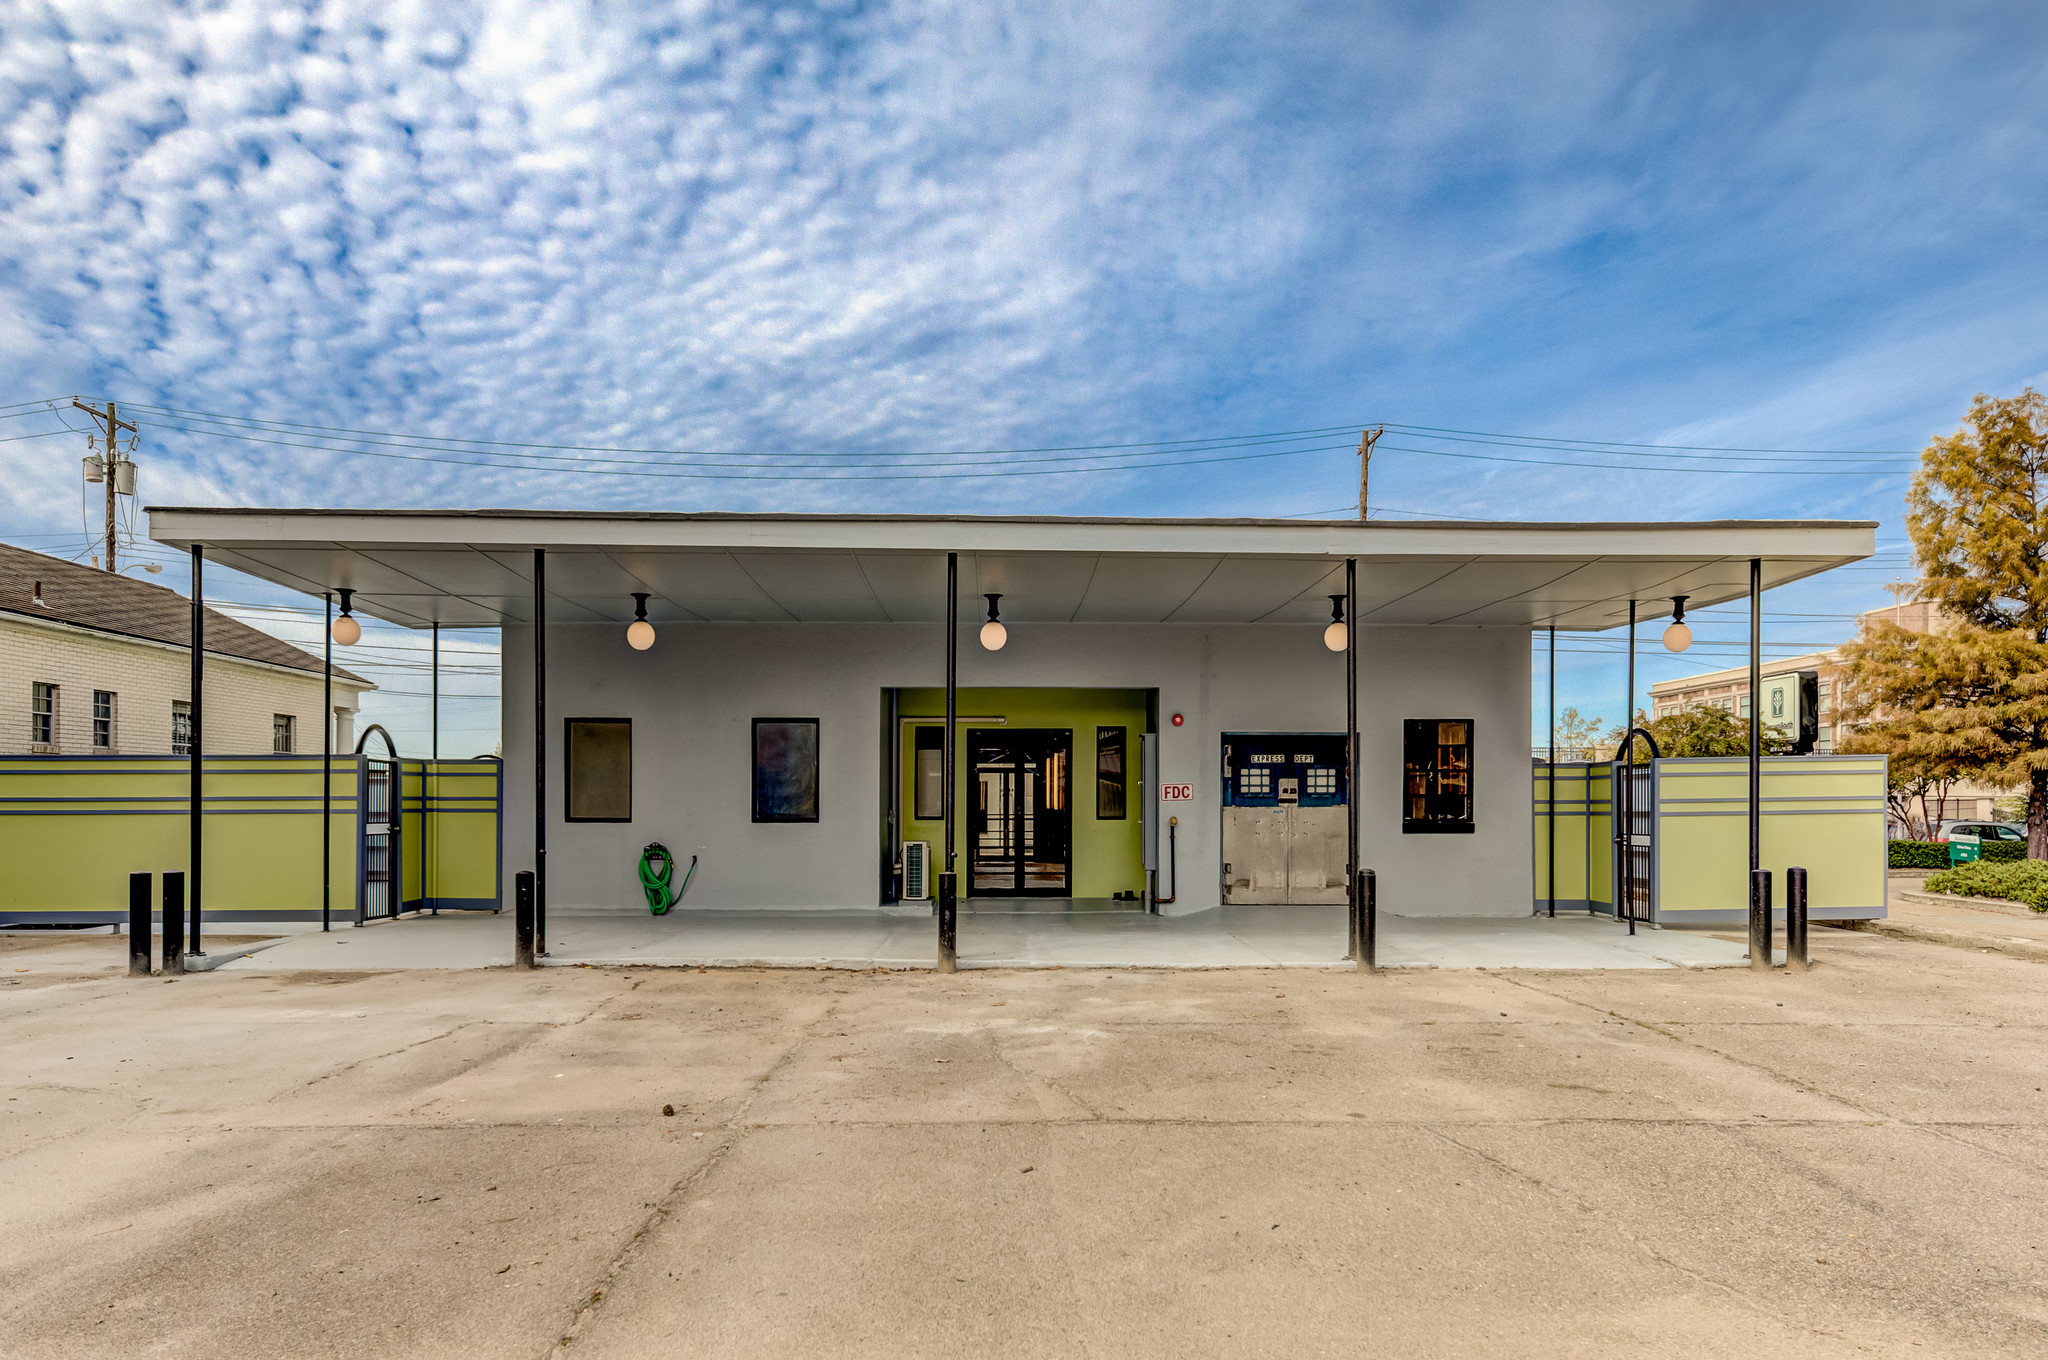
point(96, 663)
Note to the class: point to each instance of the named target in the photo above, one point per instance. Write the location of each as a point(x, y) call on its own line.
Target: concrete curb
point(1956, 939)
point(210, 962)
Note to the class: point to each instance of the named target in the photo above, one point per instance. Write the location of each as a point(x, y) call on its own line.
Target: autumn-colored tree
point(1978, 516)
point(1972, 702)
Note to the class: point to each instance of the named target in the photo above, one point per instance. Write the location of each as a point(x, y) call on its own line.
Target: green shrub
point(2025, 881)
point(2002, 852)
point(1917, 854)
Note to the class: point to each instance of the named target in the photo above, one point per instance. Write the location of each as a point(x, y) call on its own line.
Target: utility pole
point(1365, 442)
point(113, 425)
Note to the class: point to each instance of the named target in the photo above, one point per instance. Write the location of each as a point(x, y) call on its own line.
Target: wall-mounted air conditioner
point(917, 871)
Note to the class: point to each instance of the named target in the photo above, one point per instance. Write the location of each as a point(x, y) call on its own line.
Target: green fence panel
point(1583, 828)
point(73, 828)
point(1823, 813)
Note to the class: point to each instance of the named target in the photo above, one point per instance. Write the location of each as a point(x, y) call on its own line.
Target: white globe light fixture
point(1338, 634)
point(1678, 637)
point(346, 630)
point(640, 633)
point(993, 634)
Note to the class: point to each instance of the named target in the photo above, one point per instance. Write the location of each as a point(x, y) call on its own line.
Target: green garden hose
point(657, 867)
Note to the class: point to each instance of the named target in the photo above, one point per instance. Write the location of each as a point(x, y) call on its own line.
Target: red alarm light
point(1177, 720)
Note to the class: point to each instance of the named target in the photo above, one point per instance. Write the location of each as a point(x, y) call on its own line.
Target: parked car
point(1988, 831)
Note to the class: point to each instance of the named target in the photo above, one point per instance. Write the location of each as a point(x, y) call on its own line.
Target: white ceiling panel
point(473, 568)
point(1132, 589)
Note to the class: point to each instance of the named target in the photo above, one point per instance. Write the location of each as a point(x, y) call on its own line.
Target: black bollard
point(949, 922)
point(174, 923)
point(522, 919)
point(138, 925)
point(1369, 893)
point(1795, 920)
point(1760, 919)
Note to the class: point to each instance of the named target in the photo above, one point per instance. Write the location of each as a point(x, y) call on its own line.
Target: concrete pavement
point(1594, 1163)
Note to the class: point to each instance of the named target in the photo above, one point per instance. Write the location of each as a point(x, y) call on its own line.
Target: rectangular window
point(102, 720)
point(281, 733)
point(181, 728)
point(785, 769)
point(599, 776)
point(1436, 776)
point(1109, 774)
point(42, 714)
point(928, 773)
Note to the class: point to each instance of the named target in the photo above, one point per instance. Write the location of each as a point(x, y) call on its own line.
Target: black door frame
point(1015, 737)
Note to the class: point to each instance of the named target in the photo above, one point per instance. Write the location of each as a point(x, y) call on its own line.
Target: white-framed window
point(103, 720)
point(42, 714)
point(281, 733)
point(181, 728)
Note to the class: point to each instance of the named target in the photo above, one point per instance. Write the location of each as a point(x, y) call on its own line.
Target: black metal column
point(949, 880)
point(1355, 894)
point(327, 774)
point(540, 752)
point(1756, 684)
point(1550, 788)
point(429, 880)
point(198, 729)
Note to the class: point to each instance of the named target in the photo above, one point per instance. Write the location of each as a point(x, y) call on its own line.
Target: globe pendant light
point(1678, 637)
point(640, 633)
point(346, 630)
point(993, 634)
point(1338, 634)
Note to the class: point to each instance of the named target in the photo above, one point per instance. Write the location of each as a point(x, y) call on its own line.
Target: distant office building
point(1728, 690)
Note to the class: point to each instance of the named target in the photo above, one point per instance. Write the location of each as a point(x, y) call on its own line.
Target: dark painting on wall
point(785, 769)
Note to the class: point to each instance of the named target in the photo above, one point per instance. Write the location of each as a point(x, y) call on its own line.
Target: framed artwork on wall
point(598, 774)
point(785, 769)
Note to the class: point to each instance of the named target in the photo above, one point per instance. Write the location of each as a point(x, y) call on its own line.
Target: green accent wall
point(1108, 855)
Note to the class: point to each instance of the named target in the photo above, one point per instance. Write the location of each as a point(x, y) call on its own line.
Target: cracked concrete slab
point(1114, 1162)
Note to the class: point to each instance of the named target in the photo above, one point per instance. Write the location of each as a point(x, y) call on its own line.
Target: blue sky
point(851, 231)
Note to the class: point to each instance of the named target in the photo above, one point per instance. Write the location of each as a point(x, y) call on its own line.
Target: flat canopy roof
point(474, 568)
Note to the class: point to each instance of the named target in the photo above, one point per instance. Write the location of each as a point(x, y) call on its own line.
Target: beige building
point(1729, 690)
point(96, 663)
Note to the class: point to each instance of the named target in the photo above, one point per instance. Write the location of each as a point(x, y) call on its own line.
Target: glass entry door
point(1021, 812)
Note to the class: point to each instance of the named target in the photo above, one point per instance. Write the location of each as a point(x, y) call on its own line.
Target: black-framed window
point(785, 769)
point(928, 773)
point(1436, 774)
point(1110, 779)
point(597, 778)
point(181, 728)
point(102, 720)
point(281, 733)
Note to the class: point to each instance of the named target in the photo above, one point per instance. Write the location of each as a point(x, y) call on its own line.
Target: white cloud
point(991, 225)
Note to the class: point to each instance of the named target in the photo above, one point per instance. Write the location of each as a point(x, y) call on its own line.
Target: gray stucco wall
point(693, 697)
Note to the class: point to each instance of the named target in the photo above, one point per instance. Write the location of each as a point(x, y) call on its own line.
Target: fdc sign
point(1176, 793)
